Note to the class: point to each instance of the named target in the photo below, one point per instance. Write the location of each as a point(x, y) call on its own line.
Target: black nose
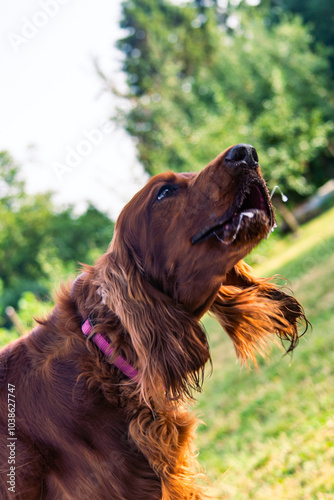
point(242, 155)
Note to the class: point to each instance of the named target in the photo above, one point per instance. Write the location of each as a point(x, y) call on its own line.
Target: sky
point(54, 113)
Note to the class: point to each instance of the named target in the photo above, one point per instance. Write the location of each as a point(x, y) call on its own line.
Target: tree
point(38, 244)
point(318, 14)
point(11, 188)
point(199, 82)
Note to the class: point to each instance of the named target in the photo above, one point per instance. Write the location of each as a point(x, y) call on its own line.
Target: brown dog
point(105, 418)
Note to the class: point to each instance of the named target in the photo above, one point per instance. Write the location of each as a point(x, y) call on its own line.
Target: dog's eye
point(165, 192)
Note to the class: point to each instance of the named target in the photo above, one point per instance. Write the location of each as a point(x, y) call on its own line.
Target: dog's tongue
point(230, 230)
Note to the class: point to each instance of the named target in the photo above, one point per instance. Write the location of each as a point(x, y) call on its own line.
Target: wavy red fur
point(84, 430)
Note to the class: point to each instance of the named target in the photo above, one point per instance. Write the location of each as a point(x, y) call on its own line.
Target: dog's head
point(186, 231)
point(177, 252)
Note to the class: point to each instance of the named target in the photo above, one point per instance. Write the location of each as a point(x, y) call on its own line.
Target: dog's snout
point(242, 155)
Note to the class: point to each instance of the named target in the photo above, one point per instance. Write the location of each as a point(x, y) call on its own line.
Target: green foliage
point(7, 336)
point(11, 188)
point(197, 86)
point(319, 14)
point(29, 308)
point(40, 246)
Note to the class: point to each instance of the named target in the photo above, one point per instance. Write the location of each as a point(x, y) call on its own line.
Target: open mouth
point(255, 207)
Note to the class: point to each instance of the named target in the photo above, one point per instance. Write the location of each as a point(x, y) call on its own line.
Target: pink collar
point(105, 346)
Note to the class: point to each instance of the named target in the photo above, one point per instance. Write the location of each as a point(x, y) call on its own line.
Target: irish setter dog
point(93, 400)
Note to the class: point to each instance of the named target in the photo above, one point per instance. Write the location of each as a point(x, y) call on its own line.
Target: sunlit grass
point(272, 256)
point(269, 432)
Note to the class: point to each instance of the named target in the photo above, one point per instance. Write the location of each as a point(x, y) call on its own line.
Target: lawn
point(269, 432)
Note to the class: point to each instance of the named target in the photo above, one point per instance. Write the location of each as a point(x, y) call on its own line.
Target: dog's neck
point(106, 347)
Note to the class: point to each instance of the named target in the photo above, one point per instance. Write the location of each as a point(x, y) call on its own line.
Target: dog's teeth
point(248, 214)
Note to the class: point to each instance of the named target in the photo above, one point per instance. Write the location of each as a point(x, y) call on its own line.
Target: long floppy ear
point(170, 345)
point(250, 310)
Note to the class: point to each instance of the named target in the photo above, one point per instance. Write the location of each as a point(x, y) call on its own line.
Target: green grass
point(274, 255)
point(269, 433)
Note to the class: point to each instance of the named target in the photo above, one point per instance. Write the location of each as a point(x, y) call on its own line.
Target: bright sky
point(51, 98)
